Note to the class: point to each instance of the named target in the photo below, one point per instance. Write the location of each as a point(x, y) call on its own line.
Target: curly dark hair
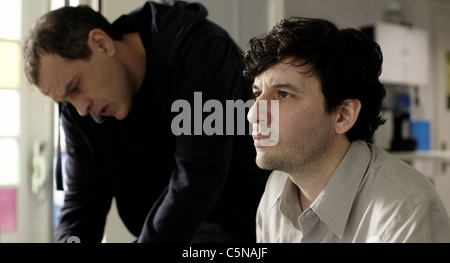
point(346, 61)
point(63, 32)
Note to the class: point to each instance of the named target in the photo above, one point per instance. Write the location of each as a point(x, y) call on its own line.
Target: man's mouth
point(105, 111)
point(259, 136)
point(263, 140)
point(100, 117)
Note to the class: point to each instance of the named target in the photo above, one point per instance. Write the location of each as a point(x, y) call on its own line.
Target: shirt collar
point(334, 203)
point(280, 186)
point(284, 196)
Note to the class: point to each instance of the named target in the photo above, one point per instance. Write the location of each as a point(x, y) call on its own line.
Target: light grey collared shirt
point(371, 197)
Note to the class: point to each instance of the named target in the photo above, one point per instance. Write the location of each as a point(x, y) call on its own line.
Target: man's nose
point(260, 112)
point(82, 106)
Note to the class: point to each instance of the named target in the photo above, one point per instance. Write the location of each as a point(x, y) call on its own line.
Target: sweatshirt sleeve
point(87, 198)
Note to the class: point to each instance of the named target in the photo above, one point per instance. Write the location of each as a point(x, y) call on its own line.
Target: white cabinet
point(405, 53)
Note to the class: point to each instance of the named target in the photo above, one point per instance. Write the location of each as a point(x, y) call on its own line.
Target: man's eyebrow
point(283, 86)
point(279, 86)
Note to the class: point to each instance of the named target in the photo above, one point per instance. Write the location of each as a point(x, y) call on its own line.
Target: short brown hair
point(64, 32)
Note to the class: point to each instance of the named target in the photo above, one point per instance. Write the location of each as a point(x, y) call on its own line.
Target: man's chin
point(264, 163)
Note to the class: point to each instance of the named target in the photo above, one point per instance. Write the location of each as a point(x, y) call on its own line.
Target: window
point(55, 4)
point(26, 118)
point(10, 61)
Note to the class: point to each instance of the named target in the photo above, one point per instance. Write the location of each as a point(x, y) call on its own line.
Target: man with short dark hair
point(329, 183)
point(116, 84)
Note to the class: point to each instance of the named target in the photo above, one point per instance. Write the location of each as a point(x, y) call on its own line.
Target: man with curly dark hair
point(329, 183)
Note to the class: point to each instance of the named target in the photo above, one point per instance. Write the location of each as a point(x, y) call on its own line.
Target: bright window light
point(10, 19)
point(9, 113)
point(55, 4)
point(9, 64)
point(9, 162)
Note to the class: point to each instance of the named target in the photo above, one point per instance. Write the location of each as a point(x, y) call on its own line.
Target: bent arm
point(86, 198)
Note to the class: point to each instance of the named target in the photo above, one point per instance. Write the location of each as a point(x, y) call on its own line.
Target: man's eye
point(75, 89)
point(256, 94)
point(283, 94)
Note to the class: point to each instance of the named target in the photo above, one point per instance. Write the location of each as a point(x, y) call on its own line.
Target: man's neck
point(313, 180)
point(131, 52)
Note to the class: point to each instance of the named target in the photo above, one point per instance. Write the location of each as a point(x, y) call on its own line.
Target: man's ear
point(98, 39)
point(346, 115)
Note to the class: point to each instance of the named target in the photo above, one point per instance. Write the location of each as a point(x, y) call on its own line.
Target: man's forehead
point(50, 74)
point(287, 65)
point(275, 72)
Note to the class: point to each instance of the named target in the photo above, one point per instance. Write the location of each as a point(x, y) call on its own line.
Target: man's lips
point(259, 136)
point(260, 140)
point(102, 115)
point(105, 112)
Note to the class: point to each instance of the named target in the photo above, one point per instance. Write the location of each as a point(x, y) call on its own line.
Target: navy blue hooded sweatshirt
point(165, 185)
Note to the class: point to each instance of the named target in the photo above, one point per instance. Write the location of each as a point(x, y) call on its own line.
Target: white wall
point(357, 13)
point(112, 9)
point(440, 45)
point(242, 19)
point(346, 13)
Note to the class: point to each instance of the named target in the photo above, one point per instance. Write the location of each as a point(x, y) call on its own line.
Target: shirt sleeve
point(212, 67)
point(426, 222)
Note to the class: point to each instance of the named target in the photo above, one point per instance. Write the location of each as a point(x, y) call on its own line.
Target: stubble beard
point(300, 154)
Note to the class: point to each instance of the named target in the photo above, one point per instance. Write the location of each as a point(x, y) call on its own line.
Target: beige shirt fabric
point(371, 197)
